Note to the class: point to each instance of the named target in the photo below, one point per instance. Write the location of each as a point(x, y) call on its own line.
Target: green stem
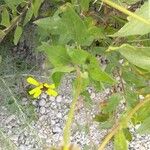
point(125, 11)
point(67, 128)
point(127, 119)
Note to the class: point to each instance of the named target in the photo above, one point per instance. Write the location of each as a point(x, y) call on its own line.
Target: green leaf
point(101, 117)
point(134, 26)
point(87, 98)
point(5, 18)
point(36, 5)
point(84, 4)
point(75, 25)
point(28, 16)
point(145, 127)
point(17, 34)
point(131, 97)
point(113, 102)
point(57, 55)
point(13, 3)
point(56, 77)
point(127, 134)
point(133, 79)
point(74, 55)
point(107, 124)
point(139, 56)
point(58, 72)
point(67, 26)
point(120, 142)
point(96, 73)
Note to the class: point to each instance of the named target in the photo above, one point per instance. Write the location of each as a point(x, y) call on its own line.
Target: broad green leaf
point(5, 18)
point(120, 142)
point(145, 127)
point(68, 26)
point(112, 104)
point(78, 56)
point(56, 77)
point(101, 117)
point(57, 55)
point(17, 34)
point(131, 97)
point(133, 79)
point(13, 3)
point(107, 124)
point(75, 24)
point(134, 26)
point(36, 5)
point(87, 98)
point(84, 4)
point(58, 72)
point(96, 73)
point(28, 16)
point(139, 56)
point(127, 134)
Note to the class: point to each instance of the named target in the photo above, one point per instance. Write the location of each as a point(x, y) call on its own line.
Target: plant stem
point(67, 128)
point(125, 11)
point(127, 119)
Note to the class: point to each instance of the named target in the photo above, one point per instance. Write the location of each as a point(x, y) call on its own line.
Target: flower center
point(44, 88)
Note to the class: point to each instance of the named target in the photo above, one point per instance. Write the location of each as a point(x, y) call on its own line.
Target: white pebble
point(59, 99)
point(52, 98)
point(42, 102)
point(56, 130)
point(59, 115)
point(42, 110)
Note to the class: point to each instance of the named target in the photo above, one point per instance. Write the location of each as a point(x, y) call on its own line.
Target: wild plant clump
point(75, 37)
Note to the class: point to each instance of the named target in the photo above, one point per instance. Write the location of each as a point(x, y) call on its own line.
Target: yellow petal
point(51, 86)
point(37, 93)
point(33, 81)
point(51, 92)
point(34, 90)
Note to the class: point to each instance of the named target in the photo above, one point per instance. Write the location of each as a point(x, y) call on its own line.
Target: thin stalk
point(127, 119)
point(67, 128)
point(125, 11)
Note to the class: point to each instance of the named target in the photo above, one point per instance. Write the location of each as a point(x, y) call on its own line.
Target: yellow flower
point(48, 89)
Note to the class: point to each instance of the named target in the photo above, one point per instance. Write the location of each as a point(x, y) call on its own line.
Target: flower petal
point(51, 86)
point(37, 93)
point(51, 92)
point(31, 92)
point(33, 81)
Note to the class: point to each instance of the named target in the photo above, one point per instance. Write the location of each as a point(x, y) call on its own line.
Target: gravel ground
point(47, 130)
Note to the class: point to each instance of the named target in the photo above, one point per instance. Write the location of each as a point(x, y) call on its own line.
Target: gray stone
point(34, 103)
point(59, 115)
point(56, 130)
point(59, 99)
point(42, 102)
point(42, 110)
point(52, 98)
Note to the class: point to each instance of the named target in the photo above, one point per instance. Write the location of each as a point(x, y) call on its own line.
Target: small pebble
point(42, 110)
point(42, 102)
point(59, 99)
